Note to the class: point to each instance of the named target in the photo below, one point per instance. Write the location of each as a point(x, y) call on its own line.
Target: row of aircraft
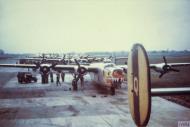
point(65, 59)
point(102, 70)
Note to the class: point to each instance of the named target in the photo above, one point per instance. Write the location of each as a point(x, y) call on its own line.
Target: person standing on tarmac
point(63, 76)
point(51, 76)
point(58, 78)
point(82, 82)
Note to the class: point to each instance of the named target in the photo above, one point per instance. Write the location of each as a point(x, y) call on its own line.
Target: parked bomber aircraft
point(42, 59)
point(64, 60)
point(107, 74)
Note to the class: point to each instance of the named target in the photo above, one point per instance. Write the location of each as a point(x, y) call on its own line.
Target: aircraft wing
point(19, 65)
point(161, 65)
point(93, 69)
point(73, 68)
point(67, 68)
point(178, 64)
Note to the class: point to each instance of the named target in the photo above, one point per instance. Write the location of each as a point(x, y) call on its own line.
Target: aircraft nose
point(118, 73)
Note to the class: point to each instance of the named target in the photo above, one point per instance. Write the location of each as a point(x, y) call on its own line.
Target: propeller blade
point(165, 61)
point(77, 63)
point(175, 70)
point(37, 64)
point(161, 74)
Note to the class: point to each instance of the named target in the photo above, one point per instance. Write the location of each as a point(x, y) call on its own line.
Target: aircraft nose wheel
point(74, 84)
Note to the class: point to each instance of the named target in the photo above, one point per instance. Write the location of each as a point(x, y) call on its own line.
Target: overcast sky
point(93, 25)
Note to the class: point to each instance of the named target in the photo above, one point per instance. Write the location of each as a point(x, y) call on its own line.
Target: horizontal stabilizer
point(170, 91)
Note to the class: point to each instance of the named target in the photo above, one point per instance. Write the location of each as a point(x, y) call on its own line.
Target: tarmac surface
point(48, 105)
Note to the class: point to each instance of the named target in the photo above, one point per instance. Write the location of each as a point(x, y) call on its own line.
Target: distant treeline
point(150, 53)
point(172, 53)
point(103, 54)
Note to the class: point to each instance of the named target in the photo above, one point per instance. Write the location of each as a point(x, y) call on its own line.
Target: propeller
point(167, 68)
point(44, 68)
point(165, 61)
point(81, 72)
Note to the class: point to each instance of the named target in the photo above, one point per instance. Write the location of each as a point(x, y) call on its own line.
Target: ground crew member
point(82, 82)
point(51, 76)
point(63, 76)
point(58, 79)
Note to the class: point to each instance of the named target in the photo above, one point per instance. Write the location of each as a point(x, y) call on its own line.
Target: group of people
point(58, 75)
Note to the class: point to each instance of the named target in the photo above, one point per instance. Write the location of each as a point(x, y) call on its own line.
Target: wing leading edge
point(19, 65)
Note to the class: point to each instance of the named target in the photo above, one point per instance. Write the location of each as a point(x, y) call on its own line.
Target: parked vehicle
point(26, 77)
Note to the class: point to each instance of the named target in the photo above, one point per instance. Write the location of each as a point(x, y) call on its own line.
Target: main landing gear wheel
point(74, 84)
